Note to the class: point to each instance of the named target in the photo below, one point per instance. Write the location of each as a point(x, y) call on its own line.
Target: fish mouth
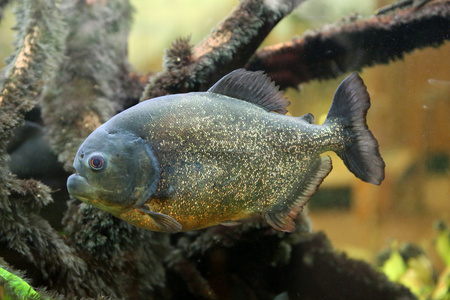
point(79, 187)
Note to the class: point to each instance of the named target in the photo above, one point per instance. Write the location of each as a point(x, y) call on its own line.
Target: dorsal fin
point(253, 87)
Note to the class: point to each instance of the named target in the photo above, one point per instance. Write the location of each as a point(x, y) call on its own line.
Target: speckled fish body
point(206, 158)
point(244, 162)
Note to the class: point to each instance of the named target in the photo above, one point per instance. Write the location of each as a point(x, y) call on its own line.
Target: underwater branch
point(354, 44)
point(228, 47)
point(326, 53)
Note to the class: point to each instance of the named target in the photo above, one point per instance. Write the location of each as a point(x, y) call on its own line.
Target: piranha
point(189, 161)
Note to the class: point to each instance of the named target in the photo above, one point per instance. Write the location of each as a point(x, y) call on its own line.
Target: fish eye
point(96, 162)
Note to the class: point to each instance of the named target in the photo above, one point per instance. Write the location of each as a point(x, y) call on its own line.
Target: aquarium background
point(410, 117)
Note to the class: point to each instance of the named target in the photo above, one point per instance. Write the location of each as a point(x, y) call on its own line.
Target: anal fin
point(282, 214)
point(164, 222)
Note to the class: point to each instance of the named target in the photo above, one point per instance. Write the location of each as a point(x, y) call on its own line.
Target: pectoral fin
point(164, 222)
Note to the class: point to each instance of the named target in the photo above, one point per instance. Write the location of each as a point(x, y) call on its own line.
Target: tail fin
point(349, 108)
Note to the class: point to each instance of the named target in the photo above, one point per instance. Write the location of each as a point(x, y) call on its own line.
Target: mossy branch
point(323, 54)
point(39, 49)
point(228, 47)
point(90, 80)
point(354, 44)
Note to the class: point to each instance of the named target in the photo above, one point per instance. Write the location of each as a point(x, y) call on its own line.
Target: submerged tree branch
point(91, 80)
point(39, 49)
point(341, 48)
point(323, 54)
point(228, 47)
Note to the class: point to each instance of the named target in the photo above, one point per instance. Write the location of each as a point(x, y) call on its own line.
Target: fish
point(190, 161)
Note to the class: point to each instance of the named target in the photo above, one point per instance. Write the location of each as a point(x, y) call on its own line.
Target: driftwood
point(70, 62)
point(354, 44)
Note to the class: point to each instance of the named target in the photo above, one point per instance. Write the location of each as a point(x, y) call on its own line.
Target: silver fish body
point(189, 161)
